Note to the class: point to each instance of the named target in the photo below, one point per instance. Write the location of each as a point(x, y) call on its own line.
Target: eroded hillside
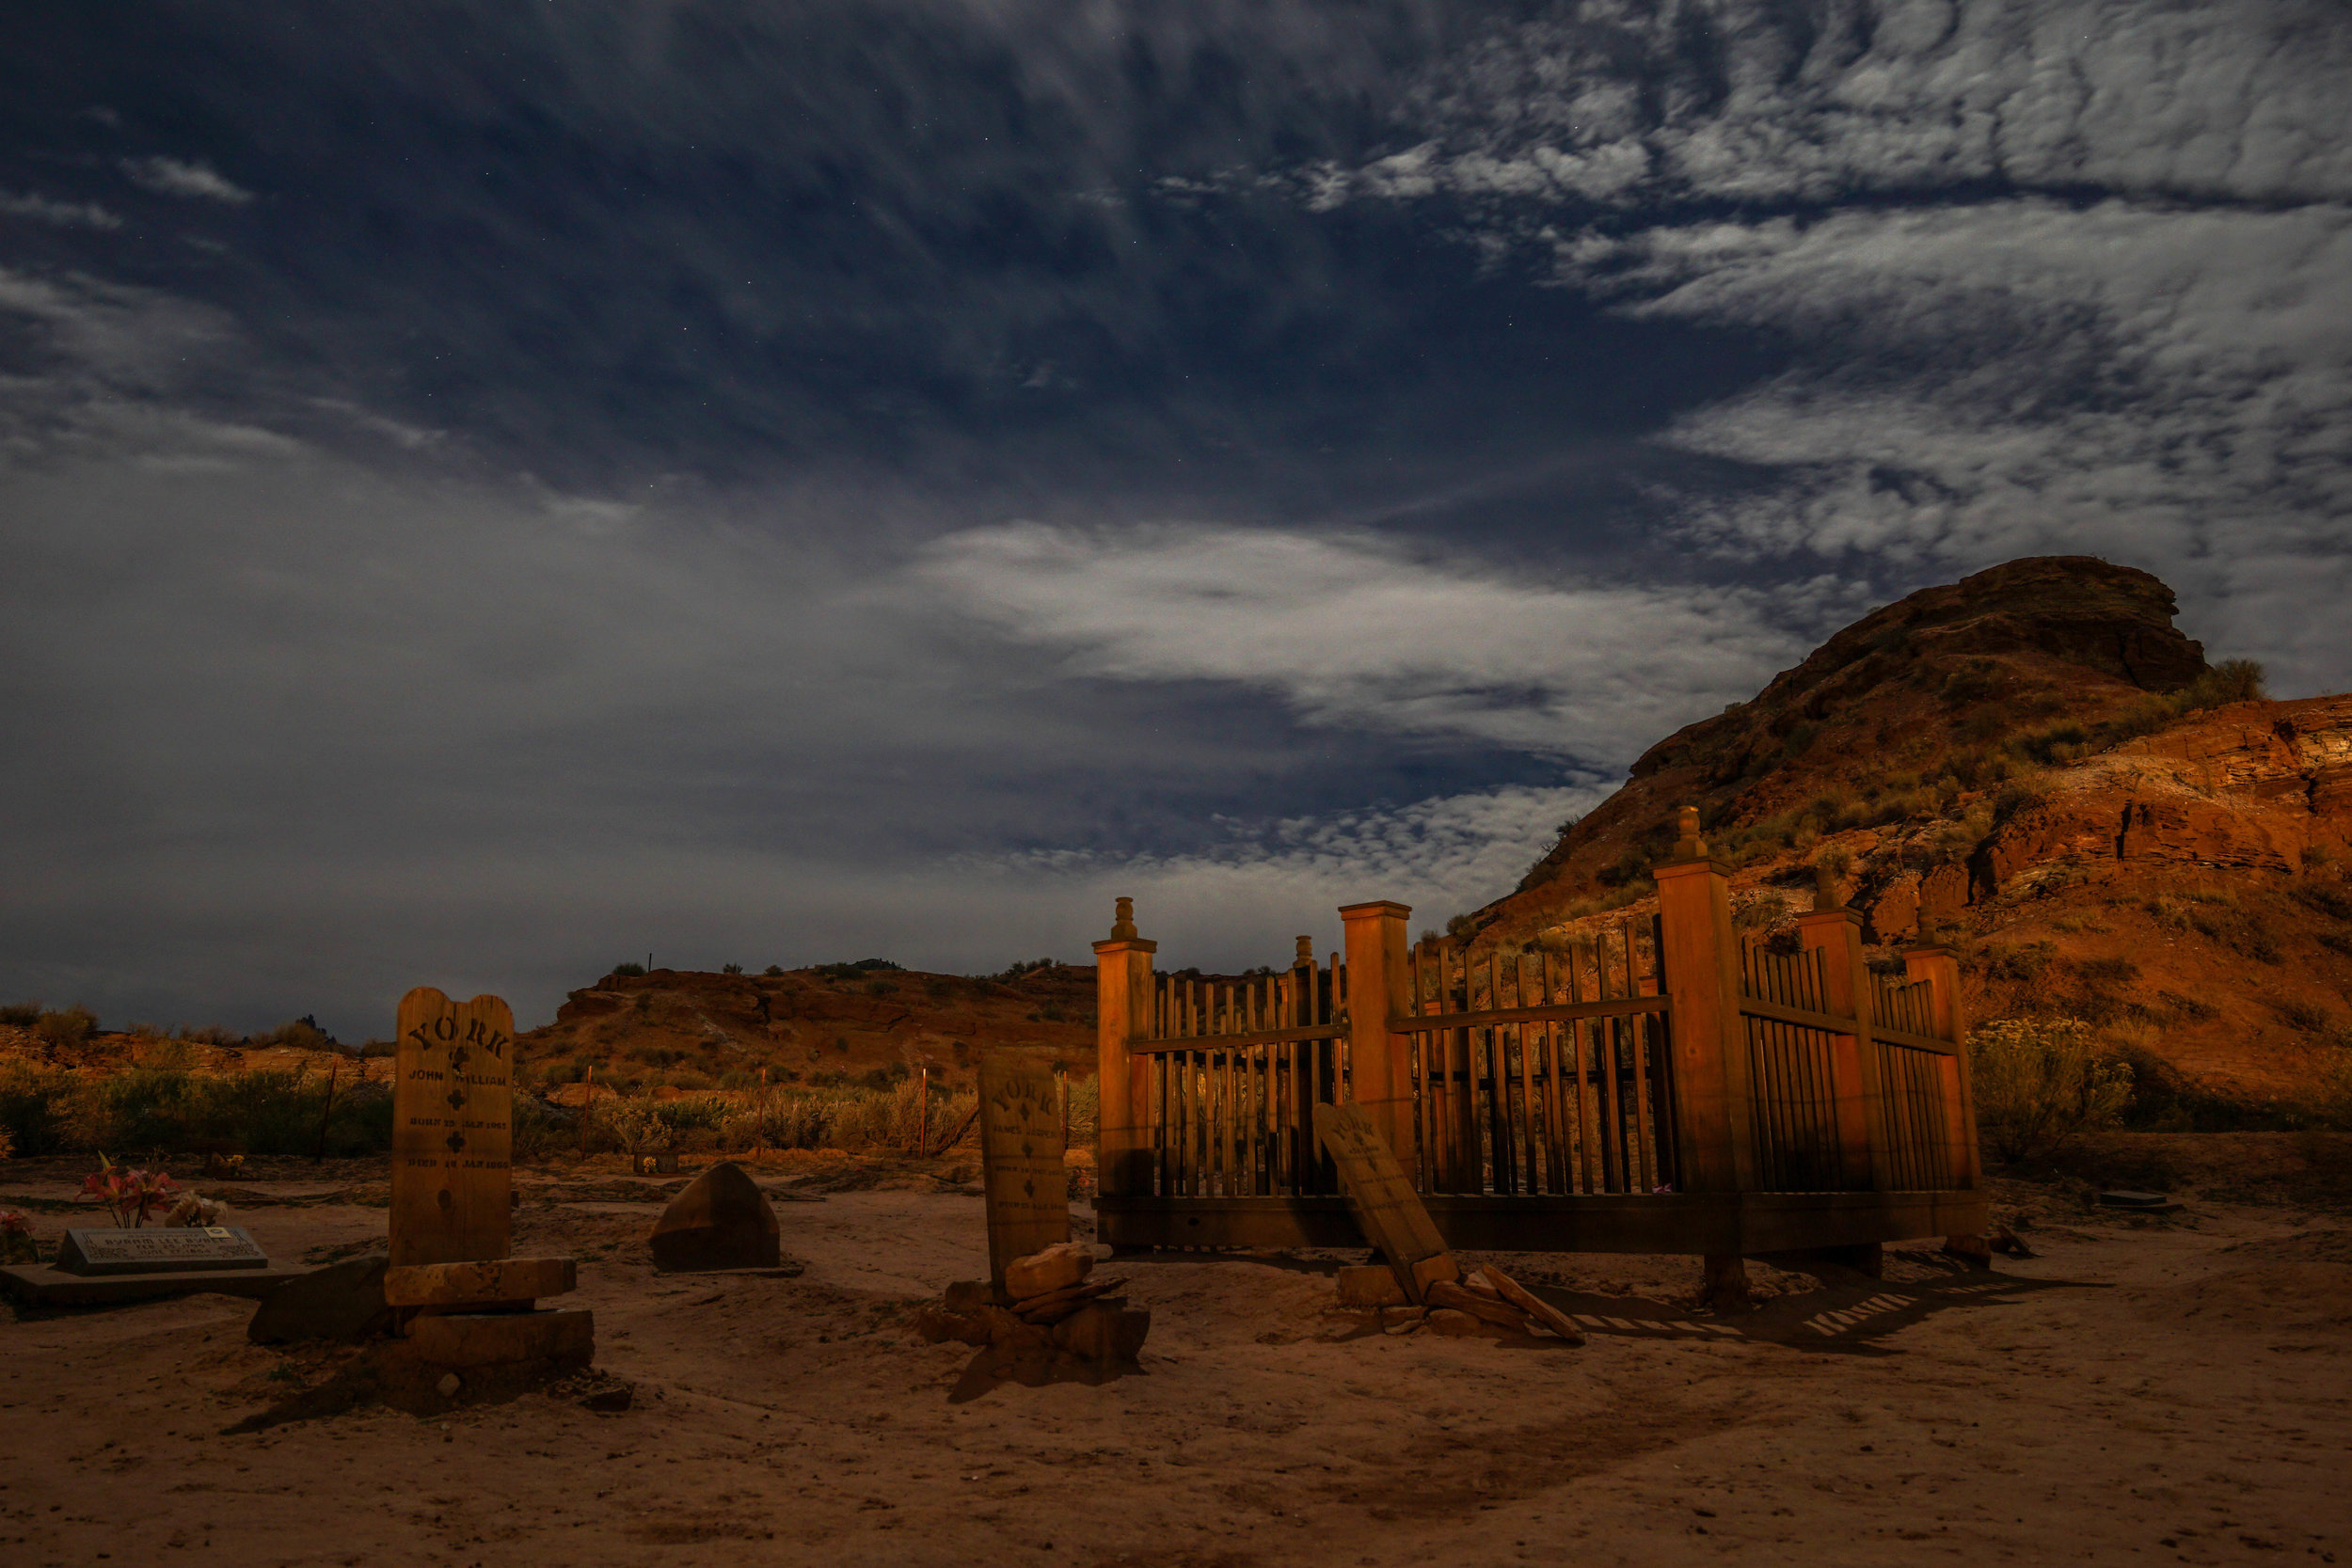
point(2035, 767)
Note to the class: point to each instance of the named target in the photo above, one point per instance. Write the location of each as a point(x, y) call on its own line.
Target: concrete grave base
point(391, 1373)
point(566, 1335)
point(488, 1280)
point(40, 1285)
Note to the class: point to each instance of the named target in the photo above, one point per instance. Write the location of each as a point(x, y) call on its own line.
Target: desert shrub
point(301, 1034)
point(2062, 742)
point(2232, 680)
point(23, 1015)
point(536, 1126)
point(730, 969)
point(773, 972)
point(774, 1118)
point(281, 1110)
point(629, 970)
point(2040, 1082)
point(2024, 962)
point(208, 1034)
point(2333, 901)
point(35, 1104)
point(144, 1108)
point(167, 1056)
point(2309, 1017)
point(268, 1111)
point(631, 1124)
point(880, 988)
point(2334, 1092)
point(2107, 972)
point(66, 1027)
point(2016, 797)
point(867, 966)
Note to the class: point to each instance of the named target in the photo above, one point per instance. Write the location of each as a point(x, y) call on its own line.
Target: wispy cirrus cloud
point(1364, 630)
point(192, 179)
point(1982, 363)
point(1628, 102)
point(61, 215)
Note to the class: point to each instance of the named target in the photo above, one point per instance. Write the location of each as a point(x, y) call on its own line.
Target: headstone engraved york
point(464, 1302)
point(1026, 1187)
point(453, 1119)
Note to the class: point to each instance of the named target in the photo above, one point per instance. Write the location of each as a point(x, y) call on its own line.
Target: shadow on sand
point(1850, 1314)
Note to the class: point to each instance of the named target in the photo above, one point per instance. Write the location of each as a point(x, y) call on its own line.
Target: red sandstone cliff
point(2023, 765)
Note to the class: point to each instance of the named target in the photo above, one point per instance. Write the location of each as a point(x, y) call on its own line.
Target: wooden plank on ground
point(1378, 1192)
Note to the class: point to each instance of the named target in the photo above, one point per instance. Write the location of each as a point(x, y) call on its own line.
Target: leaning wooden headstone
point(1026, 1186)
point(452, 1122)
point(1381, 1195)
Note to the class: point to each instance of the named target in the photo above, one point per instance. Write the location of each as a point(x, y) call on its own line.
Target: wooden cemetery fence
point(1656, 1086)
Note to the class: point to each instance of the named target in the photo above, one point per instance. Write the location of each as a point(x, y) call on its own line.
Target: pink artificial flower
point(13, 1225)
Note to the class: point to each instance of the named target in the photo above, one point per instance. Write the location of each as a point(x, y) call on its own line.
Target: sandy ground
point(2152, 1391)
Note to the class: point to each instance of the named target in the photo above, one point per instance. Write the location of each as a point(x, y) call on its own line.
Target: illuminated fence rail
point(1919, 1090)
point(1235, 1070)
point(1653, 1085)
point(1549, 1073)
point(1793, 1075)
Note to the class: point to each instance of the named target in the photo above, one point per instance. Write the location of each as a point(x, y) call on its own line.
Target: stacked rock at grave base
point(721, 1220)
point(1047, 1306)
point(1486, 1302)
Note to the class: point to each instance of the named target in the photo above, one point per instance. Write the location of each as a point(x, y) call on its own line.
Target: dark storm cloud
point(491, 488)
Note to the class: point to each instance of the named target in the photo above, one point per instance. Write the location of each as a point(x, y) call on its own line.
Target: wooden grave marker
point(1021, 1157)
point(452, 1130)
point(1381, 1196)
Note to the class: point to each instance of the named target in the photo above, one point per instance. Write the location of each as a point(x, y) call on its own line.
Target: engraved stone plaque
point(169, 1250)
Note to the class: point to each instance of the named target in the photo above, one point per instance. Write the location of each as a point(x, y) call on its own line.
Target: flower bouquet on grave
point(16, 1238)
point(194, 1210)
point(129, 1196)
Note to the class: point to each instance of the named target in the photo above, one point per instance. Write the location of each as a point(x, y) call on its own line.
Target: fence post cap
point(1688, 845)
point(1124, 920)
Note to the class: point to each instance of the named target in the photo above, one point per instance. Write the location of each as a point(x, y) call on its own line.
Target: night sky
point(491, 490)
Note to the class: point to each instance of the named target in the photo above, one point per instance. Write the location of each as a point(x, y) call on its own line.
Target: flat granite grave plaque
point(453, 1125)
point(169, 1250)
point(1027, 1190)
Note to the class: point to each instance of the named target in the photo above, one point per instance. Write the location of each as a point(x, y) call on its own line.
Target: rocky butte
point(2036, 766)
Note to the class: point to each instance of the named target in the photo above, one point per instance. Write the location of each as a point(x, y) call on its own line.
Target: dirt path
point(2169, 1392)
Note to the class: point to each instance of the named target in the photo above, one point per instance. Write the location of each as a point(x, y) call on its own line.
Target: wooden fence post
point(1837, 933)
point(1965, 1163)
point(1123, 1015)
point(1940, 968)
point(1700, 959)
point(1377, 990)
